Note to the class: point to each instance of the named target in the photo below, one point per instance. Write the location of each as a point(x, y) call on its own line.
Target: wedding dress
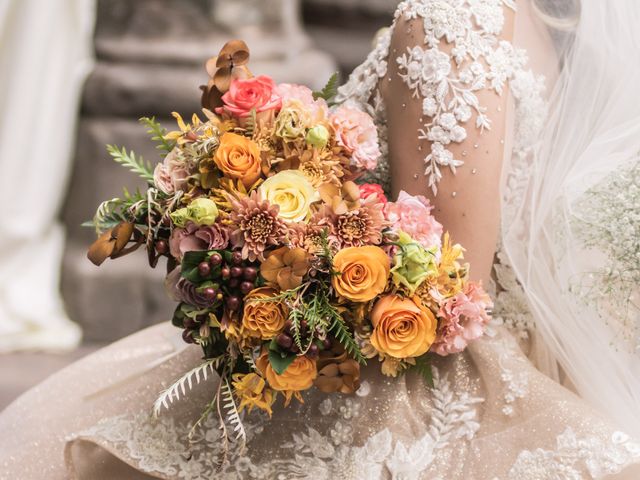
point(490, 415)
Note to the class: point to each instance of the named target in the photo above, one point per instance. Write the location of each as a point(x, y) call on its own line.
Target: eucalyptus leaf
point(278, 359)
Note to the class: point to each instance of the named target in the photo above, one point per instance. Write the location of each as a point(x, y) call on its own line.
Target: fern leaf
point(173, 393)
point(343, 335)
point(329, 90)
point(158, 133)
point(233, 416)
point(131, 162)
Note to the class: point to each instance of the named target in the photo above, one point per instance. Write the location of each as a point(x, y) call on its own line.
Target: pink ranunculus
point(291, 92)
point(412, 215)
point(357, 134)
point(246, 94)
point(367, 189)
point(194, 238)
point(463, 319)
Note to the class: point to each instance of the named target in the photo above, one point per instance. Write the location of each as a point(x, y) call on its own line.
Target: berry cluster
point(286, 342)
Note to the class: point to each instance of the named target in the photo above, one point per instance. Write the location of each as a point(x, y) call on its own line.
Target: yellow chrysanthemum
point(253, 392)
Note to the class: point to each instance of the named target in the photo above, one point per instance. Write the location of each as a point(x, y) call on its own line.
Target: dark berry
point(210, 294)
point(236, 272)
point(326, 344)
point(162, 247)
point(287, 326)
point(246, 287)
point(215, 259)
point(233, 303)
point(313, 351)
point(234, 282)
point(226, 272)
point(236, 258)
point(204, 269)
point(303, 326)
point(250, 274)
point(284, 340)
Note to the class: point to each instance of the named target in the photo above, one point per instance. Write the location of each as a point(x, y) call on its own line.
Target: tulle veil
point(573, 239)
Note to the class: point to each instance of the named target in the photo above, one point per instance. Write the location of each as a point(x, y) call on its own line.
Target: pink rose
point(246, 94)
point(177, 170)
point(162, 179)
point(290, 93)
point(367, 189)
point(357, 134)
point(412, 214)
point(194, 238)
point(463, 318)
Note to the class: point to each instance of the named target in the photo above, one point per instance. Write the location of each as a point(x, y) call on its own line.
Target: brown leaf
point(101, 249)
point(234, 52)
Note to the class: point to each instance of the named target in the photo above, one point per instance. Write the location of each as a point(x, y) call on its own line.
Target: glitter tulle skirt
point(490, 414)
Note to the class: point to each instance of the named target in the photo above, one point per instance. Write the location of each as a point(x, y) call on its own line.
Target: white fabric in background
point(45, 55)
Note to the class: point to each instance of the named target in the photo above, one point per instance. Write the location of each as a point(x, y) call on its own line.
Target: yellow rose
point(292, 192)
point(361, 273)
point(298, 376)
point(263, 319)
point(402, 327)
point(239, 158)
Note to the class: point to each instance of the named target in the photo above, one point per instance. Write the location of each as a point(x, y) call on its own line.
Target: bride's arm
point(467, 203)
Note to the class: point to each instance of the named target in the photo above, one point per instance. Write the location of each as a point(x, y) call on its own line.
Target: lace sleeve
point(453, 60)
point(449, 63)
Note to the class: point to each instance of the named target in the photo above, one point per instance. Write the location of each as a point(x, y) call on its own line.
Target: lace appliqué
point(447, 92)
point(162, 446)
point(574, 457)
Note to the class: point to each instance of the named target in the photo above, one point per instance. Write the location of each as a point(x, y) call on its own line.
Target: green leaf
point(190, 263)
point(278, 359)
point(329, 90)
point(133, 163)
point(423, 368)
point(158, 133)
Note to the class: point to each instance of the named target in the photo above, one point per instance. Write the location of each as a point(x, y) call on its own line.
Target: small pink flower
point(194, 238)
point(356, 132)
point(292, 92)
point(246, 94)
point(412, 215)
point(367, 189)
point(463, 319)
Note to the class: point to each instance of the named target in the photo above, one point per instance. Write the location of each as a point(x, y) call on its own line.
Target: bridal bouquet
point(287, 273)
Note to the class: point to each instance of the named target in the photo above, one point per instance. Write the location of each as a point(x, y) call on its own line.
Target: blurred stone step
point(96, 176)
point(116, 299)
point(143, 89)
point(333, 41)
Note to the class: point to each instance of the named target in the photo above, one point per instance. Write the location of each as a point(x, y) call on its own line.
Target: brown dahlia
point(255, 226)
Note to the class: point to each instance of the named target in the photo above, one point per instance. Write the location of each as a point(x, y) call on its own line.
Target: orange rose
point(362, 273)
point(239, 158)
point(298, 376)
point(402, 327)
point(263, 319)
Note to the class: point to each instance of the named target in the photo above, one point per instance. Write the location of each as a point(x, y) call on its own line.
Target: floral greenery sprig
point(288, 275)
